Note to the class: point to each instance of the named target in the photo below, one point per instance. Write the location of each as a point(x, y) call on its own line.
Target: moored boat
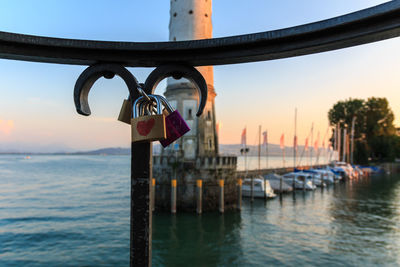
point(275, 180)
point(301, 180)
point(261, 188)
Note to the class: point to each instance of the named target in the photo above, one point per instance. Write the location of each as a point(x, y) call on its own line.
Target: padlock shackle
point(178, 71)
point(137, 105)
point(91, 74)
point(166, 104)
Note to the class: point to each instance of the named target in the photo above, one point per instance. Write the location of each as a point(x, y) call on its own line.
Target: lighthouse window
point(209, 143)
point(206, 15)
point(190, 11)
point(175, 14)
point(189, 117)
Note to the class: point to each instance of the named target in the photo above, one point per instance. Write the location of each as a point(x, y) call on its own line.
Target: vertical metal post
point(352, 140)
point(153, 194)
point(239, 192)
point(173, 196)
point(199, 196)
point(141, 215)
point(252, 189)
point(339, 143)
point(344, 145)
point(221, 196)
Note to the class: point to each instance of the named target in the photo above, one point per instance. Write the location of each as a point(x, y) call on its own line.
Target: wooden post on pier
point(199, 184)
point(173, 196)
point(153, 194)
point(239, 194)
point(221, 196)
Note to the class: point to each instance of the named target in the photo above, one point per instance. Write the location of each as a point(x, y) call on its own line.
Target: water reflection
point(365, 220)
point(208, 239)
point(61, 210)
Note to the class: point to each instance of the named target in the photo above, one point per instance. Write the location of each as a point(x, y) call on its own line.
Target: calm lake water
point(74, 211)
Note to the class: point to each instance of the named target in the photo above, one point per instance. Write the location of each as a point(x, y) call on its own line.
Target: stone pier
point(209, 169)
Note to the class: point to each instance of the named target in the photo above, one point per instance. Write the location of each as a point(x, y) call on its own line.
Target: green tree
point(374, 133)
point(378, 118)
point(343, 112)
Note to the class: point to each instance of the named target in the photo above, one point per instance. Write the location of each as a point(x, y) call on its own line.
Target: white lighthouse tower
point(191, 20)
point(195, 176)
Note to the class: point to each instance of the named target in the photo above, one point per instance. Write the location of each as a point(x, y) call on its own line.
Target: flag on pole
point(265, 134)
point(306, 145)
point(316, 143)
point(282, 141)
point(244, 137)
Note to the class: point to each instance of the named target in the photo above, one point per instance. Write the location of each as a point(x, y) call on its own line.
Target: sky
point(36, 99)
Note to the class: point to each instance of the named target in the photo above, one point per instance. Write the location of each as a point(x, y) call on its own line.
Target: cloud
point(6, 126)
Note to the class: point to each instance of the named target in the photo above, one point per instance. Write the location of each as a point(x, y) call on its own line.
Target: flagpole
point(245, 153)
point(295, 139)
point(316, 147)
point(282, 145)
point(266, 147)
point(311, 144)
point(259, 149)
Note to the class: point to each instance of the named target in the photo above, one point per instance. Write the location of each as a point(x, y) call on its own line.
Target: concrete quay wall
point(207, 169)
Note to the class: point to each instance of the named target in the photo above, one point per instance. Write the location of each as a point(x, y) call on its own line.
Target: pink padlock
point(175, 125)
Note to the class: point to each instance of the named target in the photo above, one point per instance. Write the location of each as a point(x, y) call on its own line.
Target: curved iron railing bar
point(91, 74)
point(364, 26)
point(178, 71)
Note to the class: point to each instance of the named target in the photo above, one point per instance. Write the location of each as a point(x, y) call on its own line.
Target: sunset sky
point(36, 103)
